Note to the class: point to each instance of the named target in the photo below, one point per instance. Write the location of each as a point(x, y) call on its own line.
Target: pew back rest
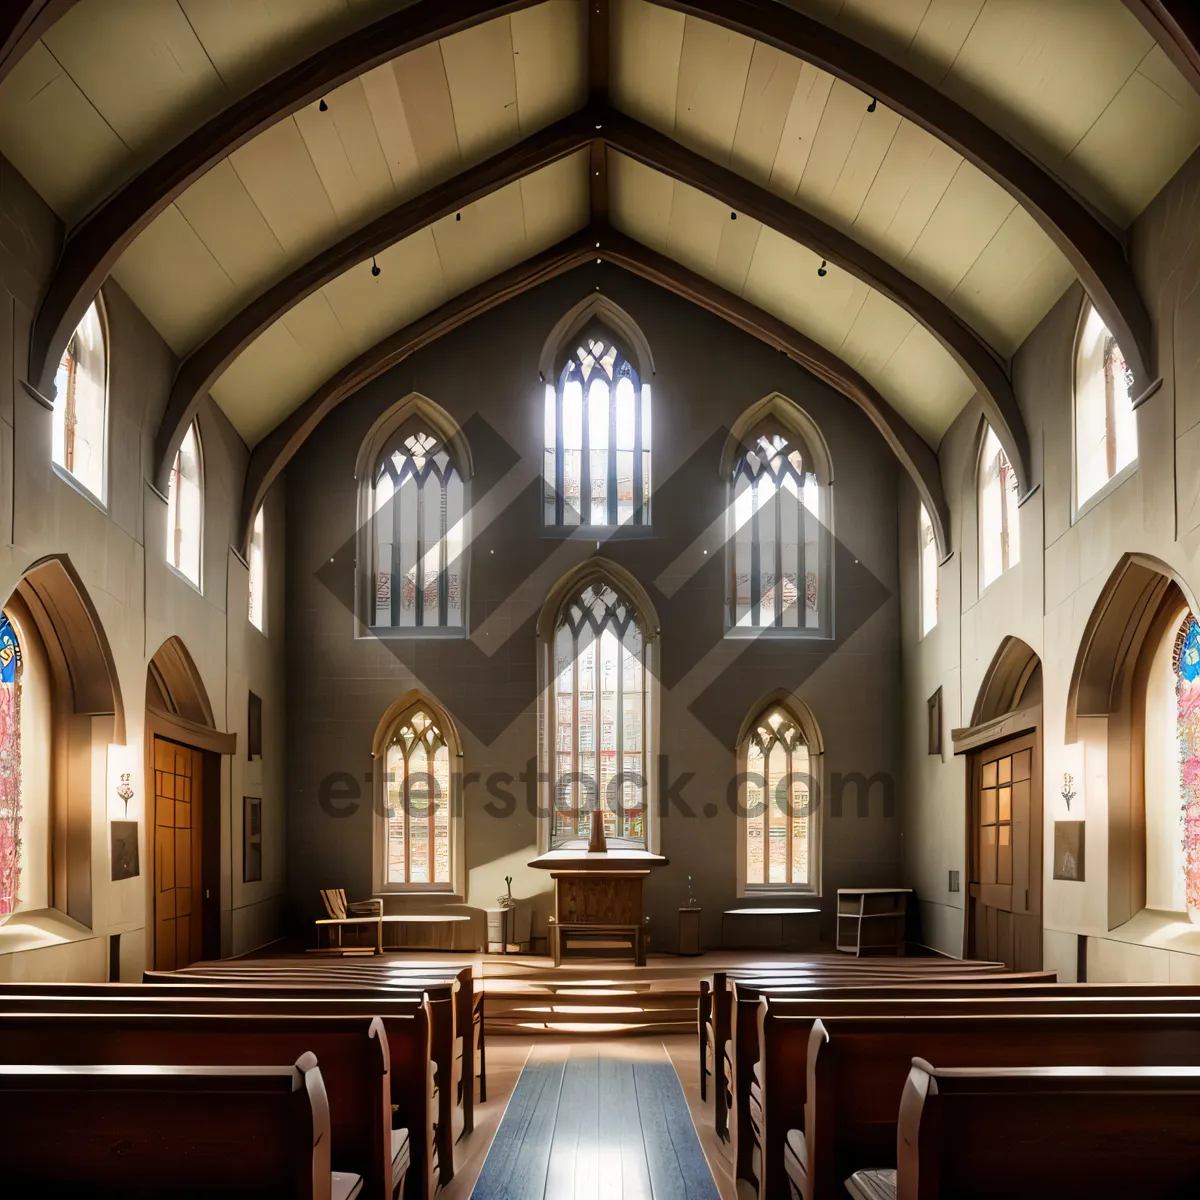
point(190, 1132)
point(858, 1067)
point(1106, 1130)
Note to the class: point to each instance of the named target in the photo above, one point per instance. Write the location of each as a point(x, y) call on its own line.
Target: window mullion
point(619, 720)
point(405, 802)
point(755, 555)
point(612, 455)
point(397, 563)
point(585, 466)
point(779, 502)
point(443, 566)
point(559, 459)
point(639, 517)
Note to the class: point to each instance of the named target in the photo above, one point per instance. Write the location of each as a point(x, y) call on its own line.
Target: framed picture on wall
point(934, 706)
point(1069, 848)
point(251, 839)
point(124, 850)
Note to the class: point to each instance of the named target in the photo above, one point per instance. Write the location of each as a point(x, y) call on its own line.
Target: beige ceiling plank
point(800, 129)
point(640, 201)
point(85, 158)
point(888, 28)
point(483, 88)
point(843, 116)
point(555, 201)
point(694, 234)
point(278, 172)
point(344, 147)
point(940, 37)
point(491, 230)
point(550, 56)
point(645, 51)
point(142, 67)
point(739, 240)
point(425, 93)
point(922, 381)
point(712, 83)
point(877, 333)
point(391, 128)
point(167, 251)
point(770, 88)
point(875, 137)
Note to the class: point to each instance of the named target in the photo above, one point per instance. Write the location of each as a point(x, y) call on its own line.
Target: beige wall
point(1047, 599)
point(118, 554)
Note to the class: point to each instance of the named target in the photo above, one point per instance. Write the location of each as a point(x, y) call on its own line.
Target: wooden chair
point(338, 908)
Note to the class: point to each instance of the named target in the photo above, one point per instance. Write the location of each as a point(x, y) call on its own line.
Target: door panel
point(177, 866)
point(1005, 853)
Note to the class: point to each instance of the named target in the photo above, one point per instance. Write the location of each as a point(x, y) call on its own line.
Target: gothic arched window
point(1105, 422)
point(185, 507)
point(599, 698)
point(779, 823)
point(80, 422)
point(417, 534)
point(1185, 664)
point(999, 520)
point(419, 804)
point(597, 439)
point(10, 767)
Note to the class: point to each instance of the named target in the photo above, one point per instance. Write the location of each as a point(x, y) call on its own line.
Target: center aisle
point(596, 1119)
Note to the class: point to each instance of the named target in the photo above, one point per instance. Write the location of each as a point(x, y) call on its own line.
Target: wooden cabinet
point(871, 920)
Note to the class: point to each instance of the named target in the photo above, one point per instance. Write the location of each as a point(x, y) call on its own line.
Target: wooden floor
point(589, 1119)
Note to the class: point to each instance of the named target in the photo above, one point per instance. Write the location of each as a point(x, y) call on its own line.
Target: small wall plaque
point(1069, 846)
point(124, 850)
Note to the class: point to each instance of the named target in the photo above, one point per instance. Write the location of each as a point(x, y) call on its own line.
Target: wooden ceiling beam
point(1089, 242)
point(1175, 25)
point(208, 361)
point(276, 450)
point(95, 244)
point(978, 362)
point(22, 23)
point(912, 451)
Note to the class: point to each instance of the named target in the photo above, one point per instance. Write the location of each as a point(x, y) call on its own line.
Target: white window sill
point(39, 928)
point(1101, 494)
point(185, 578)
point(1158, 929)
point(76, 485)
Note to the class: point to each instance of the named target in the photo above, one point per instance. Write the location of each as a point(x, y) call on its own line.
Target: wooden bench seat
point(189, 1132)
point(1046, 1131)
point(858, 1068)
point(406, 1020)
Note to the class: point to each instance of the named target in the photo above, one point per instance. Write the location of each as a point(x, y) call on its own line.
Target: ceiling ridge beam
point(200, 370)
point(272, 454)
point(913, 452)
point(1175, 25)
point(977, 360)
point(22, 24)
point(1092, 246)
point(95, 244)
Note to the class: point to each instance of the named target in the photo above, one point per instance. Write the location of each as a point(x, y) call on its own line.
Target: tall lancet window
point(777, 573)
point(1185, 662)
point(597, 440)
point(419, 804)
point(599, 694)
point(999, 518)
point(417, 542)
point(80, 421)
point(10, 768)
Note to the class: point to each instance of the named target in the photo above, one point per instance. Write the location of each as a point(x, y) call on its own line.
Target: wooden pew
point(406, 1022)
point(1042, 1132)
point(470, 1001)
point(190, 1132)
point(446, 1039)
point(352, 1053)
point(715, 1013)
point(858, 1066)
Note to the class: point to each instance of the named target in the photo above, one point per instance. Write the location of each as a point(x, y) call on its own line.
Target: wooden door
point(1005, 832)
point(178, 803)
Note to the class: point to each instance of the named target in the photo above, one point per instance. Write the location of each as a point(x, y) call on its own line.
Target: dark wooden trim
point(910, 448)
point(276, 450)
point(1175, 25)
point(205, 365)
point(22, 24)
point(98, 241)
point(1090, 243)
point(978, 362)
point(160, 723)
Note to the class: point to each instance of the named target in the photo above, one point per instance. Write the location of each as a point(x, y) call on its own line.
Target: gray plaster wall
point(486, 376)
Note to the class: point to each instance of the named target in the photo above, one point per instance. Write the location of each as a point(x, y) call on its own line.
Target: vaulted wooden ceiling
point(235, 164)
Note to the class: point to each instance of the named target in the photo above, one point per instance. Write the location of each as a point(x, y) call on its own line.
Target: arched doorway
point(1003, 909)
point(183, 765)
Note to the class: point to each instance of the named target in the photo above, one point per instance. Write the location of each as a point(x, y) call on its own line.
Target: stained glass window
point(257, 574)
point(185, 507)
point(418, 535)
point(597, 440)
point(80, 404)
point(929, 573)
point(999, 525)
point(1105, 423)
point(10, 768)
point(778, 823)
point(776, 574)
point(1186, 665)
point(599, 697)
point(418, 803)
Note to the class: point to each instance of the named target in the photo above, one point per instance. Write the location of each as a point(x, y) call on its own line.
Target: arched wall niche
point(86, 715)
point(173, 684)
point(595, 310)
point(1013, 681)
point(1106, 700)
